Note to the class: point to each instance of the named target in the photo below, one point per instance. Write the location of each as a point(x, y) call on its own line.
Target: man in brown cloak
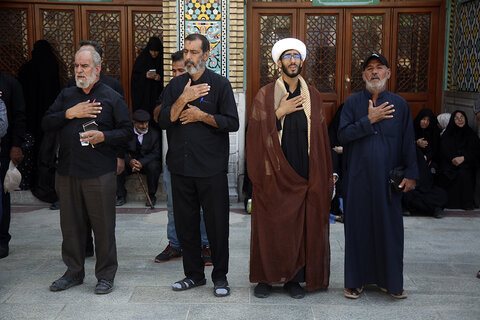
point(289, 163)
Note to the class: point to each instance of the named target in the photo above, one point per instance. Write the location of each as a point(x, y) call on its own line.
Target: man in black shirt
point(199, 111)
point(85, 178)
point(11, 94)
point(117, 86)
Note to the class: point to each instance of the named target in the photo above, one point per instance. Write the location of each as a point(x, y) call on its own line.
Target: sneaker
point(104, 286)
point(55, 205)
point(262, 290)
point(3, 251)
point(294, 289)
point(438, 213)
point(154, 202)
point(207, 255)
point(120, 201)
point(168, 254)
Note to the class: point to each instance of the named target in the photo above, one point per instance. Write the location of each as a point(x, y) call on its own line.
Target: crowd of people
point(380, 162)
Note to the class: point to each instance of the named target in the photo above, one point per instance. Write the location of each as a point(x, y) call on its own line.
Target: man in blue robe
point(377, 135)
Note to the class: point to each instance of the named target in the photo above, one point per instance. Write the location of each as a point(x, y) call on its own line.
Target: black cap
point(141, 116)
point(378, 56)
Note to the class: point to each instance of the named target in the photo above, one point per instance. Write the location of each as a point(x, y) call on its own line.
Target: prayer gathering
point(227, 159)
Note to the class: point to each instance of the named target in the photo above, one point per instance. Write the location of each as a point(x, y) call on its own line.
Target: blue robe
point(373, 223)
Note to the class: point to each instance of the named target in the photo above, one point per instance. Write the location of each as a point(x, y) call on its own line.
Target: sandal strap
point(219, 288)
point(186, 283)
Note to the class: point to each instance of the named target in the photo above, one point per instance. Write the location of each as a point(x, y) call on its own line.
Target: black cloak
point(146, 91)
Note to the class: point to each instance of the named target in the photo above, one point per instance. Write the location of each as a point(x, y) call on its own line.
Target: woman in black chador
point(147, 76)
point(459, 156)
point(41, 84)
point(427, 134)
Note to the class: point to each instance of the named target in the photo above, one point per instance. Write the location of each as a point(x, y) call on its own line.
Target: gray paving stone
point(456, 313)
point(5, 292)
point(336, 312)
point(78, 294)
point(241, 312)
point(123, 312)
point(203, 294)
point(441, 260)
point(20, 311)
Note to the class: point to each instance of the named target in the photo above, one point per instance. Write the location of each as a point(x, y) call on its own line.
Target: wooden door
point(269, 26)
point(321, 31)
point(60, 26)
point(339, 39)
point(416, 72)
point(367, 31)
point(107, 25)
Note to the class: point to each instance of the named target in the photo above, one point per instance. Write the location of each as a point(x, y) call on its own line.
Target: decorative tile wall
point(464, 61)
point(208, 17)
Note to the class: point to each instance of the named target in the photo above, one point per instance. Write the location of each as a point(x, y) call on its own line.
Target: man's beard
point(141, 131)
point(291, 75)
point(193, 69)
point(376, 88)
point(81, 83)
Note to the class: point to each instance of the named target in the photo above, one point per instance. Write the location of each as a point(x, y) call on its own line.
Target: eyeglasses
point(289, 56)
point(459, 118)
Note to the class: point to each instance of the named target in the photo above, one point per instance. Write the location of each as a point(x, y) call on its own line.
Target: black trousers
point(84, 200)
point(211, 193)
point(152, 170)
point(5, 219)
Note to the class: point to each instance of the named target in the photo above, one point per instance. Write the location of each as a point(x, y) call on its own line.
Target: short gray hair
point(97, 60)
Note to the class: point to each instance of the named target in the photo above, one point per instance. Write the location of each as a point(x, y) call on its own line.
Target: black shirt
point(198, 149)
point(12, 95)
point(295, 137)
point(114, 121)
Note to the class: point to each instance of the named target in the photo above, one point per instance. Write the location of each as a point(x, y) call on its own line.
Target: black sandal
point(186, 284)
point(221, 289)
point(352, 293)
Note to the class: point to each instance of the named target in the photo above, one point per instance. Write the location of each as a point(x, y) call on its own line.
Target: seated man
point(143, 154)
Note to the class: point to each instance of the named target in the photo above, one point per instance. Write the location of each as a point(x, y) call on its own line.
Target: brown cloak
point(290, 215)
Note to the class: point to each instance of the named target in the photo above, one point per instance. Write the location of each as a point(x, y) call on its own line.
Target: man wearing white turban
point(289, 163)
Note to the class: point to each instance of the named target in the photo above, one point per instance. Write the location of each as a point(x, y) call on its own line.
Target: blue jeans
point(171, 233)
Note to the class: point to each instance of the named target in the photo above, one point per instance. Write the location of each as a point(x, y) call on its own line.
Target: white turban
point(288, 44)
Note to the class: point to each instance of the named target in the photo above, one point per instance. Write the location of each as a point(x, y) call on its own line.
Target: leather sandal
point(186, 284)
point(221, 288)
point(402, 295)
point(352, 293)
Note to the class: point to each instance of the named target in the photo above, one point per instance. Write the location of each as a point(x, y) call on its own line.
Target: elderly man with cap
point(289, 163)
point(143, 154)
point(377, 135)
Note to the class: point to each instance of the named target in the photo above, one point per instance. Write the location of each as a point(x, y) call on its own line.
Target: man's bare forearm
point(177, 109)
point(209, 119)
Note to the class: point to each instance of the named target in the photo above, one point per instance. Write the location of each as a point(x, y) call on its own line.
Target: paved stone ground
point(441, 260)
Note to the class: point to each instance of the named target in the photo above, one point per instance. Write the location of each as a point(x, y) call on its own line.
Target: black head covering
point(454, 130)
point(145, 91)
point(155, 44)
point(141, 116)
point(428, 131)
point(39, 95)
point(43, 55)
point(378, 56)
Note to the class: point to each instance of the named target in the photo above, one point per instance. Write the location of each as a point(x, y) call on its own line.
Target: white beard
point(140, 131)
point(87, 82)
point(376, 88)
point(192, 69)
